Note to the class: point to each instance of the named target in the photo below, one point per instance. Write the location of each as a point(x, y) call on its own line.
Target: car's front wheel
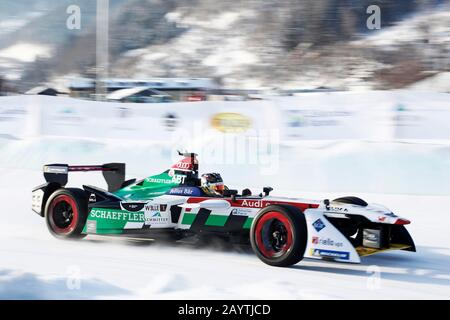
point(66, 213)
point(278, 235)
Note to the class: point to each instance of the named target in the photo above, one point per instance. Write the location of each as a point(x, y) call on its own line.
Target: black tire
point(66, 212)
point(288, 246)
point(352, 200)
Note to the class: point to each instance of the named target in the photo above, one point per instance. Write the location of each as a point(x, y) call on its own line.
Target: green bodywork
point(112, 221)
point(150, 187)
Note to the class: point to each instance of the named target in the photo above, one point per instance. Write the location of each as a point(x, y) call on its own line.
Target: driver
point(212, 184)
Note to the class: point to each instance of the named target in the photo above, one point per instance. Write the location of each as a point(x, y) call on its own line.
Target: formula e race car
point(282, 231)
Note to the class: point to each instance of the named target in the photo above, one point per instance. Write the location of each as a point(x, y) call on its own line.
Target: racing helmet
point(212, 183)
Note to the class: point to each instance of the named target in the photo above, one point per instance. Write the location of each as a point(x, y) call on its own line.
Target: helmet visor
point(219, 187)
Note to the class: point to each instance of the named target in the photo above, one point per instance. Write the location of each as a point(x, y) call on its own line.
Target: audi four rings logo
point(183, 165)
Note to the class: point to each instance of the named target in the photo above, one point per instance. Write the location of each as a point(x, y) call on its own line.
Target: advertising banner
point(13, 118)
point(333, 116)
point(158, 122)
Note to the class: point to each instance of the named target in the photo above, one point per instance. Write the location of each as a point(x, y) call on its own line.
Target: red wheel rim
point(264, 234)
point(63, 214)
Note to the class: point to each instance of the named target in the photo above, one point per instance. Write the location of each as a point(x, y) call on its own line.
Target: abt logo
point(178, 178)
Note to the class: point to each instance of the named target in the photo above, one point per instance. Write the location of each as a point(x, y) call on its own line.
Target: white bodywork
point(324, 240)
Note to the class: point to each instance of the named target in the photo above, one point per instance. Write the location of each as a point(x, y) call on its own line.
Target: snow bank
point(36, 265)
point(15, 285)
point(333, 142)
point(352, 166)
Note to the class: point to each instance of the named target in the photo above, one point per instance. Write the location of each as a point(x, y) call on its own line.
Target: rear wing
point(114, 173)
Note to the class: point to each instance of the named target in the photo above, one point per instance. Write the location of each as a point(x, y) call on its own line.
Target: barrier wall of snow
point(393, 142)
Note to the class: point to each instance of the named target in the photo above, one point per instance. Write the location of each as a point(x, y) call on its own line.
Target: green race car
point(280, 230)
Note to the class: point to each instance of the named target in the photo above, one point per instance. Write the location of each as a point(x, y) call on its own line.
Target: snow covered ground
point(35, 265)
point(409, 177)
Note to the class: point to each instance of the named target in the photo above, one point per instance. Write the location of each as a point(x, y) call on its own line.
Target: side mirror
point(230, 193)
point(326, 202)
point(267, 191)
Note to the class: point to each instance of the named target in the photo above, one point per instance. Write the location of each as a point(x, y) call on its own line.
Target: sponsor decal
point(91, 226)
point(185, 191)
point(229, 122)
point(182, 191)
point(342, 255)
point(132, 206)
point(381, 218)
point(338, 209)
point(157, 218)
point(13, 112)
point(371, 235)
point(11, 115)
point(117, 215)
point(68, 111)
point(170, 121)
point(124, 113)
point(405, 117)
point(155, 207)
point(185, 164)
point(36, 200)
point(252, 203)
point(68, 116)
point(92, 198)
point(372, 238)
point(178, 178)
point(318, 225)
point(154, 214)
point(56, 169)
point(182, 165)
point(241, 212)
point(296, 121)
point(326, 242)
point(159, 180)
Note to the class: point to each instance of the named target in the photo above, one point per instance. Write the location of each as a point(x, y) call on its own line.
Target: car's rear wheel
point(279, 235)
point(66, 213)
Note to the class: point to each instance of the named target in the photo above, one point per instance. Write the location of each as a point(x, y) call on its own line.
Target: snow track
point(33, 264)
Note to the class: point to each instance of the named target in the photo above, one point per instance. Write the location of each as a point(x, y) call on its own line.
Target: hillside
point(242, 43)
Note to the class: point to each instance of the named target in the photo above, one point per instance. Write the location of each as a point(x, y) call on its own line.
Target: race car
point(281, 231)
